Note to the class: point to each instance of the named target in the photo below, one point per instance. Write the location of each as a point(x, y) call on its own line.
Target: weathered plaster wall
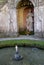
point(4, 19)
point(13, 20)
point(8, 20)
point(39, 20)
point(8, 17)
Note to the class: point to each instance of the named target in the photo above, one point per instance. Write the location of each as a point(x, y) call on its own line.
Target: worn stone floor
point(30, 37)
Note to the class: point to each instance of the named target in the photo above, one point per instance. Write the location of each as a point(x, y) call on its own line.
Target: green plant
point(27, 43)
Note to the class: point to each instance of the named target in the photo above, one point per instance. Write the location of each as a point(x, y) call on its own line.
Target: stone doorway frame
point(18, 6)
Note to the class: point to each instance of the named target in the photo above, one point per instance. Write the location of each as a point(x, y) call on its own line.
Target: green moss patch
point(28, 43)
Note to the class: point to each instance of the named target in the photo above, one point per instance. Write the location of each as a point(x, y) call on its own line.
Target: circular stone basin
point(31, 56)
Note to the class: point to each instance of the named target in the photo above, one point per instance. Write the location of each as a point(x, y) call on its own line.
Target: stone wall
point(8, 18)
point(39, 19)
point(8, 21)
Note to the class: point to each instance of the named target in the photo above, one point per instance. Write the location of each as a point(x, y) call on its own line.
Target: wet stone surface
point(31, 56)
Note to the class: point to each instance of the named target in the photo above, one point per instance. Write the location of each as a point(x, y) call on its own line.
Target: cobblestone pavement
point(28, 37)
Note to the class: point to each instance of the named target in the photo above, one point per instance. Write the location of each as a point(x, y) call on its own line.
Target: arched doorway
point(25, 17)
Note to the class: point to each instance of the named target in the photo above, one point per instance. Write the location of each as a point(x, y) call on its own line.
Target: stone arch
point(23, 8)
point(33, 2)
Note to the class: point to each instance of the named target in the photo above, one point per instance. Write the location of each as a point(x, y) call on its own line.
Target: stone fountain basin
point(31, 56)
